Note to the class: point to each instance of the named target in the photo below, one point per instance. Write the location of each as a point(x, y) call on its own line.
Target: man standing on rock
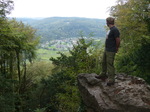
point(111, 47)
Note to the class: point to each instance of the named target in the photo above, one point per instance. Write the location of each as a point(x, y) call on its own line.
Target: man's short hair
point(110, 20)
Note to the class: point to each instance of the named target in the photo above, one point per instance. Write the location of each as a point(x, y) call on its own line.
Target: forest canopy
point(57, 28)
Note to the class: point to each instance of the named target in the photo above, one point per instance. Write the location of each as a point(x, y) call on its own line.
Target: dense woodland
point(65, 27)
point(27, 85)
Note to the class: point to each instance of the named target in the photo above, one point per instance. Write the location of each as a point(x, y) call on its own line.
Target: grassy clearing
point(44, 54)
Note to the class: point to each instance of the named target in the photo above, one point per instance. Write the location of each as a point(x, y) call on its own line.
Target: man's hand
point(117, 43)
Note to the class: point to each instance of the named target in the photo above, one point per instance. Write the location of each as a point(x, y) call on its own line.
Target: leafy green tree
point(132, 18)
point(7, 95)
point(61, 92)
point(35, 87)
point(18, 44)
point(25, 42)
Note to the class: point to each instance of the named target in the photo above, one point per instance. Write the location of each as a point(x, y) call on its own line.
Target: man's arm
point(117, 43)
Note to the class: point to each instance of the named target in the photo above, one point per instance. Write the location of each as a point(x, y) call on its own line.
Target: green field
point(44, 54)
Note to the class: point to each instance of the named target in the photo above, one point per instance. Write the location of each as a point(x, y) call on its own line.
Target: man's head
point(110, 21)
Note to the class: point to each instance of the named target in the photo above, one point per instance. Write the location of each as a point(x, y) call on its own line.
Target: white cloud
point(65, 8)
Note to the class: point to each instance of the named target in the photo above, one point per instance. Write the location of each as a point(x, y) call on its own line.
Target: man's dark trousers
point(108, 64)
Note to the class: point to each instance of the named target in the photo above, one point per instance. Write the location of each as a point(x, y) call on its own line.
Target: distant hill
point(65, 27)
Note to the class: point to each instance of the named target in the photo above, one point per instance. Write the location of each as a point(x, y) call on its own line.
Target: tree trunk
point(18, 66)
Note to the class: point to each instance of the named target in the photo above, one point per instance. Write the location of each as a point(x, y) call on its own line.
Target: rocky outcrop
point(128, 94)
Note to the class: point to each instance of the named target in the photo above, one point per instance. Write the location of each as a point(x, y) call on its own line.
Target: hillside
point(65, 27)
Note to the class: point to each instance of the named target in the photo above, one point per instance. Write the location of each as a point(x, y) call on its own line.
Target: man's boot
point(102, 76)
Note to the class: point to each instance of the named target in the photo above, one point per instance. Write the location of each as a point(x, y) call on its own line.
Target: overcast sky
point(62, 8)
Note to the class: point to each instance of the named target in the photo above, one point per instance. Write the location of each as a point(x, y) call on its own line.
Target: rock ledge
point(129, 94)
